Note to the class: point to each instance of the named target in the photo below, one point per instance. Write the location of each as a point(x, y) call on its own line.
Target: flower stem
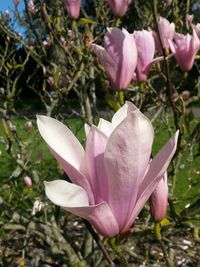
point(121, 97)
point(99, 243)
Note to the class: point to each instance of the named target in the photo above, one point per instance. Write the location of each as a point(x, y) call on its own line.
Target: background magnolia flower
point(16, 2)
point(119, 56)
point(184, 49)
point(119, 8)
point(31, 7)
point(167, 31)
point(159, 200)
point(146, 49)
point(197, 29)
point(113, 177)
point(73, 8)
point(28, 181)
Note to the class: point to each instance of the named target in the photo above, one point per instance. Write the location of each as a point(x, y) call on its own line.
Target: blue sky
point(8, 4)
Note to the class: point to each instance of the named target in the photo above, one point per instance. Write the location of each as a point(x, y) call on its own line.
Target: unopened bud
point(28, 126)
point(28, 181)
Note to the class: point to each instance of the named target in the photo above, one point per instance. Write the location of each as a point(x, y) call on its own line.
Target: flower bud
point(73, 8)
point(159, 200)
point(28, 126)
point(16, 2)
point(119, 8)
point(28, 181)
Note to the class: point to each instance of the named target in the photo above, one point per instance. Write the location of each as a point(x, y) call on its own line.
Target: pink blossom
point(47, 42)
point(185, 48)
point(28, 181)
point(73, 8)
point(119, 7)
point(197, 29)
point(7, 15)
point(16, 2)
point(146, 49)
point(31, 7)
point(167, 31)
point(189, 19)
point(28, 126)
point(119, 56)
point(168, 2)
point(159, 200)
point(114, 177)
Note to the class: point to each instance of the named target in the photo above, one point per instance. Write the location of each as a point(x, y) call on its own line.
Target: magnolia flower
point(119, 56)
point(185, 48)
point(16, 2)
point(146, 49)
point(73, 8)
point(167, 31)
point(159, 200)
point(28, 181)
point(197, 29)
point(7, 14)
point(29, 126)
point(31, 7)
point(168, 2)
point(119, 8)
point(113, 177)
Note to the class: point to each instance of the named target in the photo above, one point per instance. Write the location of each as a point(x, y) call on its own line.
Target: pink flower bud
point(185, 48)
point(31, 7)
point(47, 42)
point(7, 15)
point(168, 2)
point(197, 29)
point(28, 126)
point(159, 200)
point(119, 8)
point(50, 81)
point(73, 8)
point(119, 57)
point(13, 128)
point(189, 19)
point(16, 2)
point(167, 31)
point(28, 181)
point(63, 41)
point(185, 95)
point(146, 49)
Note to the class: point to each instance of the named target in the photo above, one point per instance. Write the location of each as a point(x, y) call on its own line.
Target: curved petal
point(126, 159)
point(66, 149)
point(63, 193)
point(122, 113)
point(95, 148)
point(105, 126)
point(157, 168)
point(106, 60)
point(74, 199)
point(87, 129)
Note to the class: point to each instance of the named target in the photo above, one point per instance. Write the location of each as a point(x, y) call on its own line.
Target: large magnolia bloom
point(113, 177)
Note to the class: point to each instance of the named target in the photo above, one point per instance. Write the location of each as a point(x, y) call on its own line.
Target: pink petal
point(126, 159)
point(105, 127)
point(66, 149)
point(157, 168)
point(74, 199)
point(95, 148)
point(106, 60)
point(122, 113)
